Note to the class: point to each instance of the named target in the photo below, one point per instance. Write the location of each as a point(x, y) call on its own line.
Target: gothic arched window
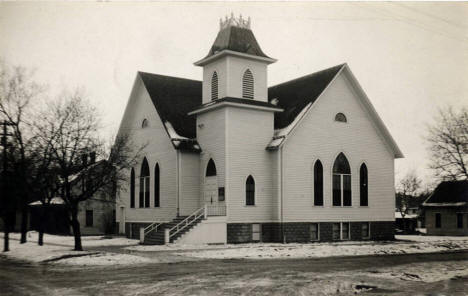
point(132, 188)
point(248, 85)
point(318, 183)
point(214, 86)
point(341, 181)
point(156, 186)
point(144, 184)
point(211, 168)
point(363, 185)
point(250, 191)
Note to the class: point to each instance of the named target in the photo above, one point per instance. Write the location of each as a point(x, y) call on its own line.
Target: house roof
point(449, 193)
point(294, 95)
point(173, 98)
point(236, 39)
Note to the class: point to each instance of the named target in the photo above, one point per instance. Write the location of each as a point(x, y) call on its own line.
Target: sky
point(411, 58)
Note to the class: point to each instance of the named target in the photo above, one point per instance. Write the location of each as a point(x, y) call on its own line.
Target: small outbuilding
point(446, 209)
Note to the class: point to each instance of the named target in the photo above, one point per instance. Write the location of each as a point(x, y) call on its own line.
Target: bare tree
point(406, 190)
point(71, 130)
point(448, 144)
point(17, 90)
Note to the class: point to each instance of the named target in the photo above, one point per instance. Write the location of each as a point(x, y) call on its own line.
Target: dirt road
point(415, 274)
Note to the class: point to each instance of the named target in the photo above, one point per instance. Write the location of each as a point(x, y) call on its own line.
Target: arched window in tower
point(250, 191)
point(211, 168)
point(144, 184)
point(363, 185)
point(318, 183)
point(156, 186)
point(132, 188)
point(248, 85)
point(341, 181)
point(214, 86)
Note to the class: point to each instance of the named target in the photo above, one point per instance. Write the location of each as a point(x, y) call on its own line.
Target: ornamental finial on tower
point(236, 22)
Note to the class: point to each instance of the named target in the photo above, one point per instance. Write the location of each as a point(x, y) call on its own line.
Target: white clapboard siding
point(247, 132)
point(190, 183)
point(159, 150)
point(318, 136)
point(211, 137)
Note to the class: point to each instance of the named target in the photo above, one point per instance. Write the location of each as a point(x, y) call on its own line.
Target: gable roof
point(294, 95)
point(297, 96)
point(236, 39)
point(449, 193)
point(173, 99)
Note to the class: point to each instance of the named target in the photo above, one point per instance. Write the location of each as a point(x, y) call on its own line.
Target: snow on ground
point(431, 238)
point(316, 250)
point(30, 251)
point(106, 258)
point(68, 240)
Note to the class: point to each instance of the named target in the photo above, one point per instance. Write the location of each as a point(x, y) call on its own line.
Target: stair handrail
point(201, 212)
point(151, 227)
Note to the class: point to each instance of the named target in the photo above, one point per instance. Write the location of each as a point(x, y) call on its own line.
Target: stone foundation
point(299, 232)
point(132, 230)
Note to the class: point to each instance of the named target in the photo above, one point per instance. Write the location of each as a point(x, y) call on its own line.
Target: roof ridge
point(307, 75)
point(167, 76)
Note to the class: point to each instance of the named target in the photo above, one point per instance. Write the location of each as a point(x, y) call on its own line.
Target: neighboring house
point(446, 209)
point(96, 214)
point(305, 160)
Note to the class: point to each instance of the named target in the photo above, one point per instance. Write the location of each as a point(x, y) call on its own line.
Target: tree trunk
point(6, 229)
point(76, 228)
point(40, 240)
point(24, 223)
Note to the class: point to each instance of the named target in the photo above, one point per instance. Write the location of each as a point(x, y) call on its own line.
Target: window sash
point(314, 232)
point(438, 220)
point(459, 220)
point(342, 190)
point(89, 218)
point(318, 184)
point(336, 190)
point(365, 233)
point(336, 229)
point(345, 230)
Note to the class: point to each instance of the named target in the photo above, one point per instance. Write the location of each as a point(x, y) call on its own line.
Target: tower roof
point(235, 36)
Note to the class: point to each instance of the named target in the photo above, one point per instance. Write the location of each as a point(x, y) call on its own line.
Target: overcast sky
point(410, 58)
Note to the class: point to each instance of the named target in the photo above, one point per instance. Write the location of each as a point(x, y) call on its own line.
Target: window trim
point(145, 183)
point(317, 161)
point(259, 232)
point(368, 230)
point(341, 231)
point(246, 192)
point(438, 225)
point(462, 218)
point(360, 185)
point(318, 232)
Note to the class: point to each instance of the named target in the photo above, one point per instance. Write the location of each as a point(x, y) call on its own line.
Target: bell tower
point(235, 66)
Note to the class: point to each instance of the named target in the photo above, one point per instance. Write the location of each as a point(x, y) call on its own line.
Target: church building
point(230, 160)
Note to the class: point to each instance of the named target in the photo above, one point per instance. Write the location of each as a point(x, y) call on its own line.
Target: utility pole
point(6, 196)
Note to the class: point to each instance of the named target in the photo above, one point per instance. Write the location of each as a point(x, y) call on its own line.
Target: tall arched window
point(248, 85)
point(250, 191)
point(211, 168)
point(144, 184)
point(214, 86)
point(363, 190)
point(318, 183)
point(132, 188)
point(156, 185)
point(341, 181)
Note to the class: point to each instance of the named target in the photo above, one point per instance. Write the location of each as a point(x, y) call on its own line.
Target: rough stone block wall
point(325, 229)
point(132, 230)
point(297, 232)
point(356, 230)
point(382, 230)
point(271, 232)
point(239, 233)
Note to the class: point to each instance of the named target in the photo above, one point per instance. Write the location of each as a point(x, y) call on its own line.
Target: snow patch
point(105, 259)
point(172, 132)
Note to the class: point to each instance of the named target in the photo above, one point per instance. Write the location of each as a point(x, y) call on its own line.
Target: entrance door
point(211, 190)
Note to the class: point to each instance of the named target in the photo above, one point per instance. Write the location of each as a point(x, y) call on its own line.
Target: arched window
point(250, 191)
point(340, 117)
point(211, 168)
point(214, 86)
point(341, 181)
point(363, 190)
point(248, 85)
point(144, 123)
point(144, 184)
point(318, 184)
point(132, 188)
point(156, 185)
